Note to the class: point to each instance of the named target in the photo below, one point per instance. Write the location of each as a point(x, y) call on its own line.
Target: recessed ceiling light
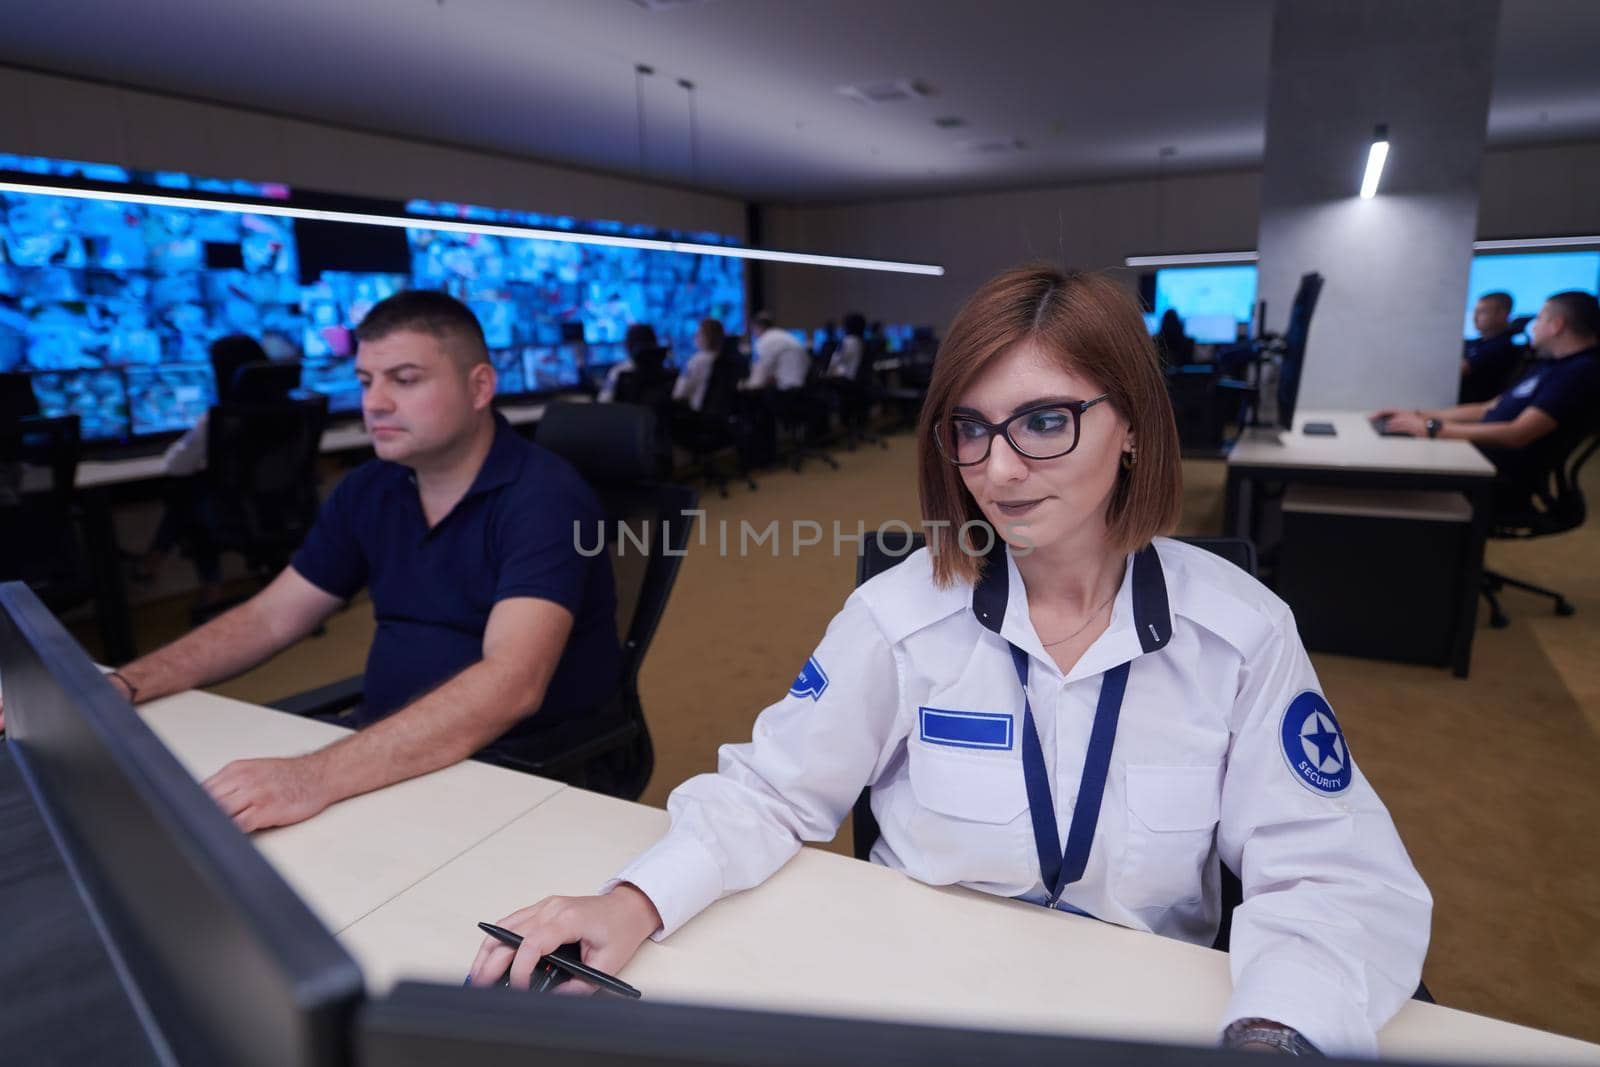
point(949, 122)
point(887, 92)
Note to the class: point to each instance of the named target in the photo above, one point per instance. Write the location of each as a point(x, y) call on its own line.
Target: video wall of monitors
point(1530, 278)
point(111, 306)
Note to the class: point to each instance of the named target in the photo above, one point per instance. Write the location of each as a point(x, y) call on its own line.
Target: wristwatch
point(1433, 427)
point(1284, 1039)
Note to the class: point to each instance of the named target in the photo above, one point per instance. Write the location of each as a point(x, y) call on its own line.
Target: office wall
point(64, 118)
point(1525, 191)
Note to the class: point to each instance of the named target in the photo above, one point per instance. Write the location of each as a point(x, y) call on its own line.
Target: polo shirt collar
point(503, 463)
point(1141, 615)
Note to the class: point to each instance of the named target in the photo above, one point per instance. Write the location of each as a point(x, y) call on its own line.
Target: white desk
point(1357, 456)
point(775, 947)
point(363, 851)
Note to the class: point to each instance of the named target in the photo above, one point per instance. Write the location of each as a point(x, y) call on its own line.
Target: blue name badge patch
point(812, 682)
point(965, 729)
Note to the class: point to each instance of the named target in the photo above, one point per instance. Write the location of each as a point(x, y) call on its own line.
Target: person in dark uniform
point(1489, 361)
point(1527, 429)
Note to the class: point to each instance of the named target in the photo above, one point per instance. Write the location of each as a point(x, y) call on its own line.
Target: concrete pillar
point(1388, 326)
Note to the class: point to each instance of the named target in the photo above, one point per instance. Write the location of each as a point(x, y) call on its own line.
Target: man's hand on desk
point(258, 793)
point(610, 927)
point(1410, 422)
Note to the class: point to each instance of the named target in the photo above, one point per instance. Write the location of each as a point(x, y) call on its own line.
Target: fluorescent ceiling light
point(1192, 259)
point(1375, 158)
point(1537, 242)
point(419, 222)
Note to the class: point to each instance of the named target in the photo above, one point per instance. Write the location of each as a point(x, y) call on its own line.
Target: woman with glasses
point(1053, 702)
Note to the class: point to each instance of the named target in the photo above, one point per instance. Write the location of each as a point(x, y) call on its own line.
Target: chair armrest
point(323, 700)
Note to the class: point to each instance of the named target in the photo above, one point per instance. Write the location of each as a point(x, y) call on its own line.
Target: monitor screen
point(98, 397)
point(1152, 323)
point(1531, 278)
point(334, 305)
point(169, 396)
point(334, 378)
point(1207, 293)
point(550, 368)
point(510, 379)
point(1212, 329)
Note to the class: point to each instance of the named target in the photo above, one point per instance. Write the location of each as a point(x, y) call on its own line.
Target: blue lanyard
point(1057, 868)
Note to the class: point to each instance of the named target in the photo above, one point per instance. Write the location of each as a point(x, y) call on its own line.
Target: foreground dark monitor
point(420, 1024)
point(222, 961)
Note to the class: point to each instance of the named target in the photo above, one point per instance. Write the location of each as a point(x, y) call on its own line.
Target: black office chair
point(17, 399)
point(719, 426)
point(40, 544)
point(258, 495)
point(855, 397)
point(616, 448)
point(803, 415)
point(649, 383)
point(1556, 507)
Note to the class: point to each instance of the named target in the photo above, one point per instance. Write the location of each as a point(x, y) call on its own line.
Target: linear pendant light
point(419, 222)
point(1376, 155)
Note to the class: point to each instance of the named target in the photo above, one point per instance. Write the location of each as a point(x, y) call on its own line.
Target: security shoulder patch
point(813, 681)
point(1314, 747)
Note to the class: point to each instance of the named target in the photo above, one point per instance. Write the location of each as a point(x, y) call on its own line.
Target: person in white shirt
point(1051, 670)
point(780, 360)
point(690, 388)
point(846, 359)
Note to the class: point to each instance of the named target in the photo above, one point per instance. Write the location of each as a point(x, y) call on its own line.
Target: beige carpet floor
point(1492, 780)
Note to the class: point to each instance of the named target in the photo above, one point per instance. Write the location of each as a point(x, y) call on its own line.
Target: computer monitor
point(1293, 355)
point(98, 397)
point(334, 379)
point(168, 396)
point(1212, 329)
point(572, 333)
point(551, 368)
point(1530, 278)
point(1208, 294)
point(509, 380)
point(418, 1025)
point(225, 963)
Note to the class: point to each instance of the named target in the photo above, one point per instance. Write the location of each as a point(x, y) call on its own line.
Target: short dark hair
point(641, 337)
point(762, 319)
point(1580, 310)
point(1503, 299)
point(230, 353)
point(855, 325)
point(431, 312)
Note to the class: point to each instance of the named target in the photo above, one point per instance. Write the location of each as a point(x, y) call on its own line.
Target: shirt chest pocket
point(1172, 821)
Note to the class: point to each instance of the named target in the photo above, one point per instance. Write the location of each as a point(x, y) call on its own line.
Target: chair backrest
point(17, 398)
point(38, 541)
point(649, 383)
point(722, 388)
point(261, 471)
point(618, 450)
point(264, 382)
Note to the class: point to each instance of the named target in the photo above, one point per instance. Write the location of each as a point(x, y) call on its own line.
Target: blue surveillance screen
point(1530, 278)
point(112, 306)
point(1208, 296)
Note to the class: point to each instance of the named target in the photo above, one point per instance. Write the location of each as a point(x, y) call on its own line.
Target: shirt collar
point(504, 461)
point(1141, 615)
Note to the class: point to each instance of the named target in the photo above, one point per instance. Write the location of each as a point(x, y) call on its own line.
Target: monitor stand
point(1264, 434)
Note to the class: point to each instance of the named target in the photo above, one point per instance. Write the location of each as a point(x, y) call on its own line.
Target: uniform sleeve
point(1334, 926)
point(811, 754)
point(331, 557)
point(1567, 398)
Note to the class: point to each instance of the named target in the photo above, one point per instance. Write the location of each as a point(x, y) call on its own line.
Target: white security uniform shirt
point(847, 358)
point(1224, 747)
point(780, 360)
point(696, 376)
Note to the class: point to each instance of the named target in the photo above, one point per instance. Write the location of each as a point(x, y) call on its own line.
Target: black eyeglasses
point(1042, 431)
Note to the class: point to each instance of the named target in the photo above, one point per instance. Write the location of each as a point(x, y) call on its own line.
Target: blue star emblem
point(1313, 745)
point(1324, 746)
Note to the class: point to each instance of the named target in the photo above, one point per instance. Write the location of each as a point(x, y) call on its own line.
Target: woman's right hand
point(609, 928)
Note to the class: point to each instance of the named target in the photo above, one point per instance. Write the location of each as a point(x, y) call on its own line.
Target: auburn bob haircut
point(1094, 327)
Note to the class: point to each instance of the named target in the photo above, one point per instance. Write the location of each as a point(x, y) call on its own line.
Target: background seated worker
point(462, 531)
point(1529, 428)
point(778, 359)
point(1490, 359)
point(1082, 681)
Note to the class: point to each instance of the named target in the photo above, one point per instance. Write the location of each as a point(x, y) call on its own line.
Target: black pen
point(573, 967)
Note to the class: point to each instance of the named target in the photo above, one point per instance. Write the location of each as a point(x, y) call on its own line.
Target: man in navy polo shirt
point(1489, 360)
point(490, 621)
point(1530, 427)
